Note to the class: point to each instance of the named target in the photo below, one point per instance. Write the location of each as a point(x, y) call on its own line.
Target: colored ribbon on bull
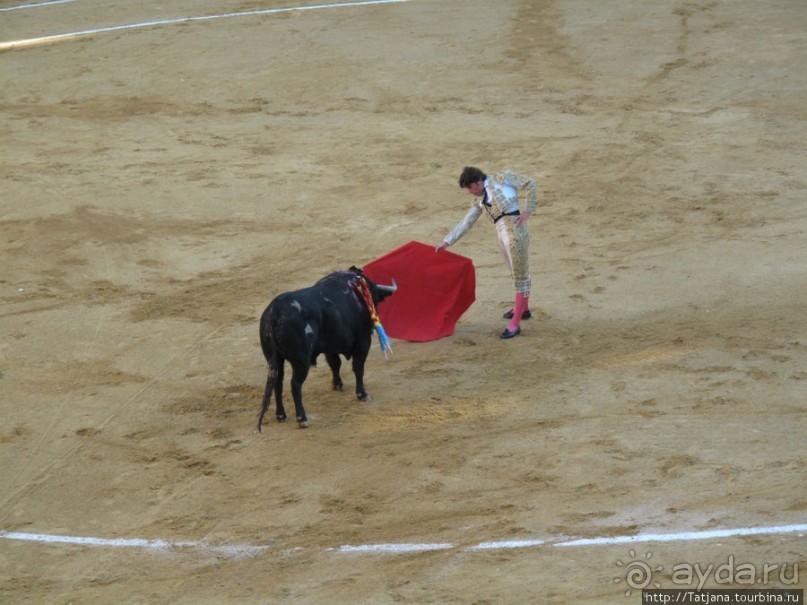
point(364, 292)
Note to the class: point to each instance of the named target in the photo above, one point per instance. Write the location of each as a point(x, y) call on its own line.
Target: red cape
point(434, 290)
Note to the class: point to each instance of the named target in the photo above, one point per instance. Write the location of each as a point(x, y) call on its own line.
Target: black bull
point(329, 318)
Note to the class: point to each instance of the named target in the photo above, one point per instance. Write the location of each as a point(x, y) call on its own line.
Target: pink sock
point(522, 303)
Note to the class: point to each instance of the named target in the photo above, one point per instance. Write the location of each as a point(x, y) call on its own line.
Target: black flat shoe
point(525, 315)
point(508, 334)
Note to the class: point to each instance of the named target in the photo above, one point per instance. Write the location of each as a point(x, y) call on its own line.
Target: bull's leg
point(298, 376)
point(358, 371)
point(335, 363)
point(267, 395)
point(274, 381)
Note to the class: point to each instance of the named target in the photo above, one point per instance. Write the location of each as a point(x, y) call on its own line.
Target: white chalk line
point(232, 551)
point(267, 11)
point(246, 550)
point(35, 5)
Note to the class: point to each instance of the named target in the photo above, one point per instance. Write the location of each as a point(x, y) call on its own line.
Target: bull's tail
point(266, 334)
point(269, 352)
point(271, 381)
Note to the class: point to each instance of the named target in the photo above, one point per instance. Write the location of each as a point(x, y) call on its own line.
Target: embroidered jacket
point(503, 199)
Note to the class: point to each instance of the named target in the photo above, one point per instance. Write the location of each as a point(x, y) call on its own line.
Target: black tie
point(485, 198)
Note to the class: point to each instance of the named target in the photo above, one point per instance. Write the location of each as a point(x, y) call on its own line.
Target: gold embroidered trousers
point(514, 244)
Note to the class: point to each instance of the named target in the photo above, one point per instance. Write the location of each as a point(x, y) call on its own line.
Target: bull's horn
point(389, 289)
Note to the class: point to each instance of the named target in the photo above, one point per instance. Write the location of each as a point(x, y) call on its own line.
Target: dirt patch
point(164, 183)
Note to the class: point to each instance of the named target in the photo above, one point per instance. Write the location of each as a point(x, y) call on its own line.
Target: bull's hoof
point(338, 387)
point(364, 397)
point(302, 423)
point(281, 418)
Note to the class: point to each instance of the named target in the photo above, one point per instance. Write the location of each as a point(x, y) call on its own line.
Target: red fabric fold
point(434, 290)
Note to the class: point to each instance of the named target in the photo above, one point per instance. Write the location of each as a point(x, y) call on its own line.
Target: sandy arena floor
point(160, 184)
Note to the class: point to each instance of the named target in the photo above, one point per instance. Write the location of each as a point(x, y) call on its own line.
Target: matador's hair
point(471, 175)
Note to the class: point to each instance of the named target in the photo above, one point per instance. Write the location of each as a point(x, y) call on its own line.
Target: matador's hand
point(521, 221)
